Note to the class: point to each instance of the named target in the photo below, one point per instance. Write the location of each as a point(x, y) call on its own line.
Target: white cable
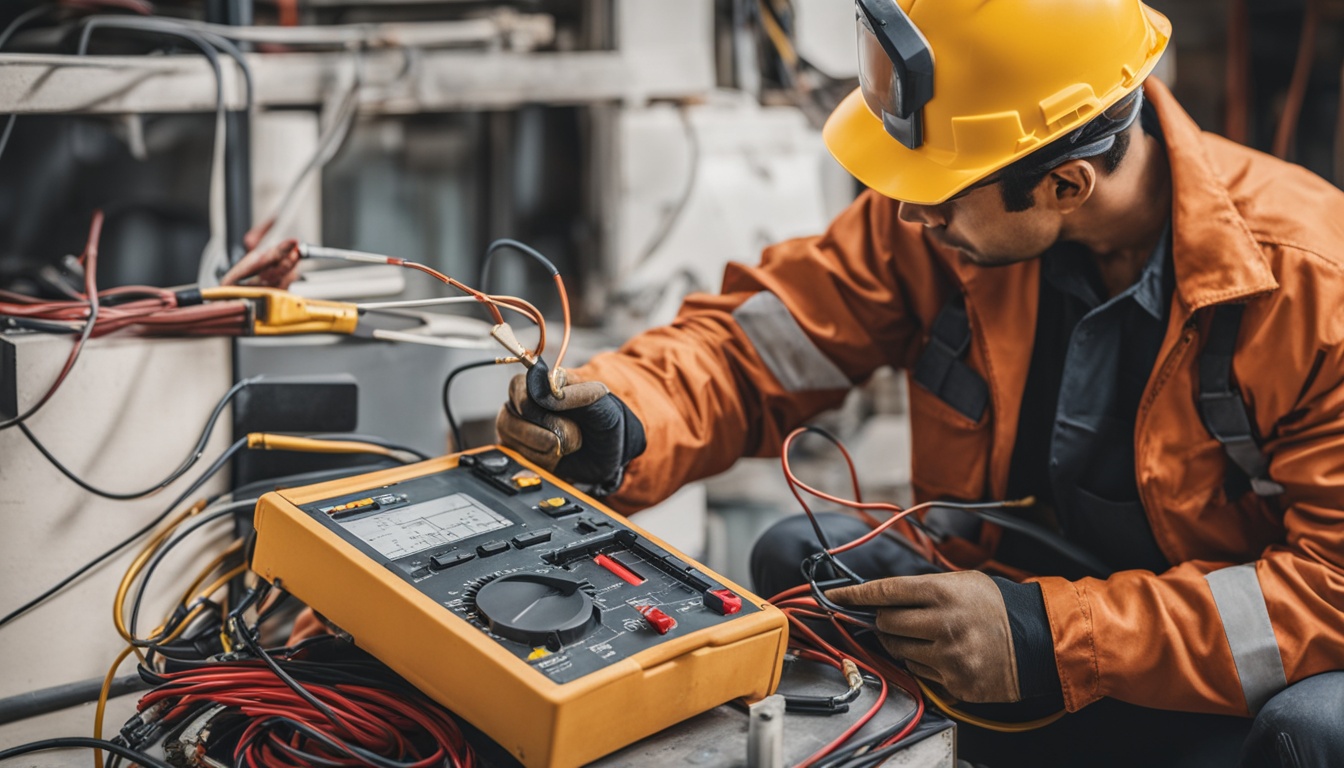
point(432, 341)
point(330, 139)
point(419, 302)
point(310, 251)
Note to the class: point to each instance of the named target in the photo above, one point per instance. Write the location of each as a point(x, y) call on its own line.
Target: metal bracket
point(765, 733)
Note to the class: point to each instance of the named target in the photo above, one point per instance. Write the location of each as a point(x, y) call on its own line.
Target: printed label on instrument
point(396, 533)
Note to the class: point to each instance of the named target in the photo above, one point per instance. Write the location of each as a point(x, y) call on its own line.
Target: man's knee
point(1302, 725)
point(778, 553)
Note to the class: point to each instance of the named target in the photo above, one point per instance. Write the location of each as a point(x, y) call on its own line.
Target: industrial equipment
point(558, 628)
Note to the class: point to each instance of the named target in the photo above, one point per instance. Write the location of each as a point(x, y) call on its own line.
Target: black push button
point(492, 548)
point(524, 540)
point(494, 463)
point(591, 524)
point(449, 559)
point(564, 510)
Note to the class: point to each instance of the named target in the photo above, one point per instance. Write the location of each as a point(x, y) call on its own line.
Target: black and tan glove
point(950, 628)
point(586, 436)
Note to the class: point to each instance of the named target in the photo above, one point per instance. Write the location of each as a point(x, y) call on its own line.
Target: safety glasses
point(895, 69)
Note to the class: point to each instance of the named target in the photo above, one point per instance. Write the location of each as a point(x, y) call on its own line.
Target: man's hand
point(585, 436)
point(950, 628)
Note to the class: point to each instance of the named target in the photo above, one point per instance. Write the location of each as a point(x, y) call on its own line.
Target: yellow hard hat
point(951, 91)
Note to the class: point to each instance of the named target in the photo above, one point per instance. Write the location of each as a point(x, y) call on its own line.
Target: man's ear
point(1067, 187)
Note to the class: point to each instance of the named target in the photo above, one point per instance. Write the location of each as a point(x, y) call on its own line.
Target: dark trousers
point(1303, 725)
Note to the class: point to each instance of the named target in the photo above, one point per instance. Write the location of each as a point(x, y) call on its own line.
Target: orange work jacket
point(1255, 600)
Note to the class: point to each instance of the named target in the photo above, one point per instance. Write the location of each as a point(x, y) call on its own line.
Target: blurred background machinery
point(640, 145)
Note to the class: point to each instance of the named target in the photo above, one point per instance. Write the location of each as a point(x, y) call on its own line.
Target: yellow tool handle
point(282, 312)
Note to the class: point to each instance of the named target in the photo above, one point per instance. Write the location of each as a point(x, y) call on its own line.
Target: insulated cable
point(90, 262)
point(83, 742)
point(210, 472)
point(196, 452)
point(556, 375)
point(981, 722)
point(790, 599)
point(458, 443)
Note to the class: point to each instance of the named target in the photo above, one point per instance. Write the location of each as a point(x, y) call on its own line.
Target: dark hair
point(1019, 180)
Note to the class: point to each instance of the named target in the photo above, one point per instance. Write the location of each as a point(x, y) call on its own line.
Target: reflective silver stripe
point(1241, 605)
point(787, 351)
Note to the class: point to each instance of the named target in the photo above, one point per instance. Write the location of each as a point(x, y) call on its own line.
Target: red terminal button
point(729, 603)
point(661, 622)
point(625, 574)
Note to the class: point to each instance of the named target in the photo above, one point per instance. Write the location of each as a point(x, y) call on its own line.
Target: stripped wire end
point(557, 380)
point(852, 674)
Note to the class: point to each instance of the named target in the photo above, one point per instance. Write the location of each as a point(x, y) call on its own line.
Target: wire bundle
point(353, 714)
point(493, 303)
point(808, 603)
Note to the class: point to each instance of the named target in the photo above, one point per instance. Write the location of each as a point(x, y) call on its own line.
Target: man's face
point(976, 224)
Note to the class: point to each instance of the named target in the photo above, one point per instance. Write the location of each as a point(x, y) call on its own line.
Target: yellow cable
point(991, 725)
point(269, 442)
point(123, 589)
point(229, 551)
point(102, 701)
point(200, 607)
point(777, 37)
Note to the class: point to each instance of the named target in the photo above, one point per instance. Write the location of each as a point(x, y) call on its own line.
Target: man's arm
point(734, 372)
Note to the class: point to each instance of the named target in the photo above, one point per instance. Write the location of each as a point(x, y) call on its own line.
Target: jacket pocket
point(949, 452)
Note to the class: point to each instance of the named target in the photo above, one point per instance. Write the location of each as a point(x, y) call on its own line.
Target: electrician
point(1139, 324)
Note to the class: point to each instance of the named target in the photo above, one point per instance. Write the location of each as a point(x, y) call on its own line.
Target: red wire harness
point(917, 538)
point(800, 605)
point(285, 729)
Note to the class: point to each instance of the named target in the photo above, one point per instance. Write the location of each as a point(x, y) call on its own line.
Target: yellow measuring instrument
point(554, 625)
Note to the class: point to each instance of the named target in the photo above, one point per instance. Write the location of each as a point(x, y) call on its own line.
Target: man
point(1099, 306)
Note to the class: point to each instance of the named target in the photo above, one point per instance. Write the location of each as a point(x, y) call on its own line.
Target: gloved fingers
point(916, 623)
point(580, 394)
point(893, 591)
point(924, 672)
point(537, 444)
point(518, 397)
point(541, 435)
point(566, 437)
point(921, 651)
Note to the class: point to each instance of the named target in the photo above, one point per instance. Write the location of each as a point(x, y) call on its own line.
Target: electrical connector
point(503, 333)
point(281, 312)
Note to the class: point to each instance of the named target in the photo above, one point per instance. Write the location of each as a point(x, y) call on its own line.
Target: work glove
point(949, 628)
point(586, 436)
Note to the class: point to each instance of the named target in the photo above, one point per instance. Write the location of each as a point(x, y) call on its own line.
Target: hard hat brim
point(858, 141)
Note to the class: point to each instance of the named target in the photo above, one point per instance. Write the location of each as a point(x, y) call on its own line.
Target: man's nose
point(927, 215)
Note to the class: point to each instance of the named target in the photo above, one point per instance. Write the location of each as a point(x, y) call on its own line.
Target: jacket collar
point(1217, 259)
